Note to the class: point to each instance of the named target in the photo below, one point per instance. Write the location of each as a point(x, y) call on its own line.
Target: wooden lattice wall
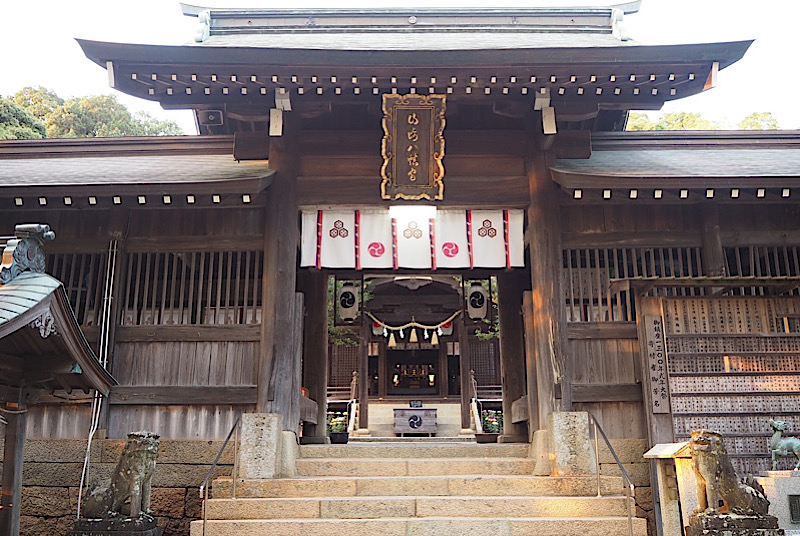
point(734, 363)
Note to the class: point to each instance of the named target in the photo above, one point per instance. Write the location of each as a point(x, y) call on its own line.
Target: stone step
point(420, 506)
point(495, 486)
point(432, 526)
point(398, 449)
point(411, 439)
point(413, 467)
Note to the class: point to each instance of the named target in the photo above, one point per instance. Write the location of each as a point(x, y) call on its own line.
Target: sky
point(38, 48)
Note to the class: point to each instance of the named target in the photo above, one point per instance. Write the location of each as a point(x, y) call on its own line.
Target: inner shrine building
point(442, 201)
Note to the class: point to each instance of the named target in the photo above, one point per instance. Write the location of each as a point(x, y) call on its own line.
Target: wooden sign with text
point(657, 364)
point(413, 147)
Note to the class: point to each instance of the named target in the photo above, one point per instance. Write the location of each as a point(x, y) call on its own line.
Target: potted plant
point(492, 421)
point(337, 429)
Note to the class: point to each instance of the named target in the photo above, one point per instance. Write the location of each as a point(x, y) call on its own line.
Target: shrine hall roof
point(129, 166)
point(743, 159)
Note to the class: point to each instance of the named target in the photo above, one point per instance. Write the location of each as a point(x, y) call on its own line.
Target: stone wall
point(52, 471)
point(630, 453)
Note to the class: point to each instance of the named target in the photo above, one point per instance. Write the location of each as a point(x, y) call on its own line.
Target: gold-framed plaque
point(413, 147)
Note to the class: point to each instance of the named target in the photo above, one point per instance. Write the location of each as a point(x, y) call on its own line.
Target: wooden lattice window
point(84, 277)
point(762, 261)
point(588, 272)
point(484, 359)
point(196, 287)
point(343, 361)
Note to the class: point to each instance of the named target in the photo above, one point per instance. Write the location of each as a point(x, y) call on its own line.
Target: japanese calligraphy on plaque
point(657, 364)
point(413, 147)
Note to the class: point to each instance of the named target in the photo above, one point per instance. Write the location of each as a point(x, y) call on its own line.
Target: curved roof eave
point(30, 295)
point(726, 53)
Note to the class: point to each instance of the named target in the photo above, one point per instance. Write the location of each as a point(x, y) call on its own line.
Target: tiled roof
point(220, 172)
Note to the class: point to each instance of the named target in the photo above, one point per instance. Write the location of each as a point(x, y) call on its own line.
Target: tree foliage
point(16, 123)
point(671, 121)
point(758, 121)
point(90, 117)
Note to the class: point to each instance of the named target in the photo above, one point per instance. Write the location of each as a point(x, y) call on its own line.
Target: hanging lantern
point(434, 339)
point(413, 336)
point(377, 328)
point(392, 343)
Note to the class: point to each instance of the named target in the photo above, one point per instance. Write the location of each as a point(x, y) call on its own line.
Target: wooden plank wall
point(182, 381)
point(605, 354)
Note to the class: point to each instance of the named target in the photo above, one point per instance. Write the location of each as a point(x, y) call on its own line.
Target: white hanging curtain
point(372, 239)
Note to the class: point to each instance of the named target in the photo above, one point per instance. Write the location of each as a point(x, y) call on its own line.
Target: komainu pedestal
point(142, 525)
point(733, 525)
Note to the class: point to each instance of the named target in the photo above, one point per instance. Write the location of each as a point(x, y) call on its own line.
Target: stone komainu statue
point(717, 479)
point(130, 481)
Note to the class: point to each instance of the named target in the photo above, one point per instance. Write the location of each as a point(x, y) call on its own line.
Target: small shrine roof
point(43, 346)
point(118, 166)
point(766, 162)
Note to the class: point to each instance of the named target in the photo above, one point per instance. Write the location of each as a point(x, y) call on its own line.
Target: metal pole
point(235, 459)
point(596, 455)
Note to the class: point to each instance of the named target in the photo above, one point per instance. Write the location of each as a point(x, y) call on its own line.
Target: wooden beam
point(713, 254)
point(194, 333)
point(314, 285)
point(174, 395)
point(277, 351)
point(606, 392)
point(602, 330)
point(547, 325)
point(532, 399)
point(464, 368)
point(631, 239)
point(510, 286)
point(151, 244)
point(365, 334)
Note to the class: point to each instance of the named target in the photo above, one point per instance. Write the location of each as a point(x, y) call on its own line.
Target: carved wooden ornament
point(413, 147)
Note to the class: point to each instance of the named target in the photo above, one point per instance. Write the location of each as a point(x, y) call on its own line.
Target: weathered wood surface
point(186, 363)
point(182, 395)
point(512, 351)
point(601, 330)
point(606, 392)
point(278, 334)
point(206, 421)
point(196, 333)
point(486, 191)
point(314, 286)
point(547, 325)
point(607, 383)
point(464, 375)
point(364, 337)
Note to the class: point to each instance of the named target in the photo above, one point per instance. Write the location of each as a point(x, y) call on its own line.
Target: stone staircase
point(418, 489)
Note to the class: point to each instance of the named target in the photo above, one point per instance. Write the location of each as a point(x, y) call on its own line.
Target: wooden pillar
point(383, 371)
point(278, 350)
point(532, 383)
point(363, 374)
point(12, 472)
point(464, 366)
point(314, 285)
point(512, 352)
point(548, 310)
point(443, 374)
point(713, 253)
